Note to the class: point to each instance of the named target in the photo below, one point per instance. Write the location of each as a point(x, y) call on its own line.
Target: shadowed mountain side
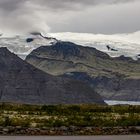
point(114, 78)
point(20, 82)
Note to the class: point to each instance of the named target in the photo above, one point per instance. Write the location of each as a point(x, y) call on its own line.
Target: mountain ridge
point(21, 82)
point(125, 44)
point(109, 76)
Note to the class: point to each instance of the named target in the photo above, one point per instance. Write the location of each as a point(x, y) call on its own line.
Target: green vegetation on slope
point(68, 115)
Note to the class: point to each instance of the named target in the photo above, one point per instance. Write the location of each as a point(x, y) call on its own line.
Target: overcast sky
point(87, 16)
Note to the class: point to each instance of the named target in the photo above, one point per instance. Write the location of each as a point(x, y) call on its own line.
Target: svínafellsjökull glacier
point(114, 45)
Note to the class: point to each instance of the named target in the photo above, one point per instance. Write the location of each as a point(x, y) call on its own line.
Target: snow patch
point(120, 44)
point(125, 44)
point(21, 47)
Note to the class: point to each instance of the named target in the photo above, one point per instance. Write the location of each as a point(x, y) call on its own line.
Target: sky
point(84, 16)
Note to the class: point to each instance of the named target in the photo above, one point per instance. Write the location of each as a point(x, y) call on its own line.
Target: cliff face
point(113, 78)
point(115, 88)
point(20, 82)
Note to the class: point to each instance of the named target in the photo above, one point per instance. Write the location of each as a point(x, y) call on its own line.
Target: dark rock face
point(67, 51)
point(111, 88)
point(20, 82)
point(113, 78)
point(40, 34)
point(28, 40)
point(111, 49)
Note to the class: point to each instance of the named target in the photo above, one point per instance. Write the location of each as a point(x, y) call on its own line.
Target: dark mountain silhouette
point(20, 82)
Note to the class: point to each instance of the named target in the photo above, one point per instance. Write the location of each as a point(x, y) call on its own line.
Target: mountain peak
point(36, 33)
point(43, 36)
point(20, 82)
point(4, 51)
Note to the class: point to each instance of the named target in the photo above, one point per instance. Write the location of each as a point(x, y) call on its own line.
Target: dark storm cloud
point(12, 5)
point(70, 4)
point(58, 15)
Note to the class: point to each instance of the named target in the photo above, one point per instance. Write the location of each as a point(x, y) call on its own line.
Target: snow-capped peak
point(23, 45)
point(114, 45)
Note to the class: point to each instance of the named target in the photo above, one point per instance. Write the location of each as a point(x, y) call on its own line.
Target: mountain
point(20, 82)
point(23, 45)
point(119, 44)
point(113, 78)
point(123, 44)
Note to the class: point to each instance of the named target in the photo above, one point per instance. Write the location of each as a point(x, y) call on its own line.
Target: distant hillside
point(20, 82)
point(114, 78)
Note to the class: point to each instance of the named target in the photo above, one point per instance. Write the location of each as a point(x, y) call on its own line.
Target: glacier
point(20, 46)
point(124, 44)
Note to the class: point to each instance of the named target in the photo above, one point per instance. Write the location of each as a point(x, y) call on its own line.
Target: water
point(112, 102)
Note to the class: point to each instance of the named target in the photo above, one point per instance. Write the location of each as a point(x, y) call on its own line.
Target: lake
point(112, 102)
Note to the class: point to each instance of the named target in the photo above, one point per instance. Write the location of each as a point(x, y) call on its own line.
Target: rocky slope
point(20, 82)
point(114, 78)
